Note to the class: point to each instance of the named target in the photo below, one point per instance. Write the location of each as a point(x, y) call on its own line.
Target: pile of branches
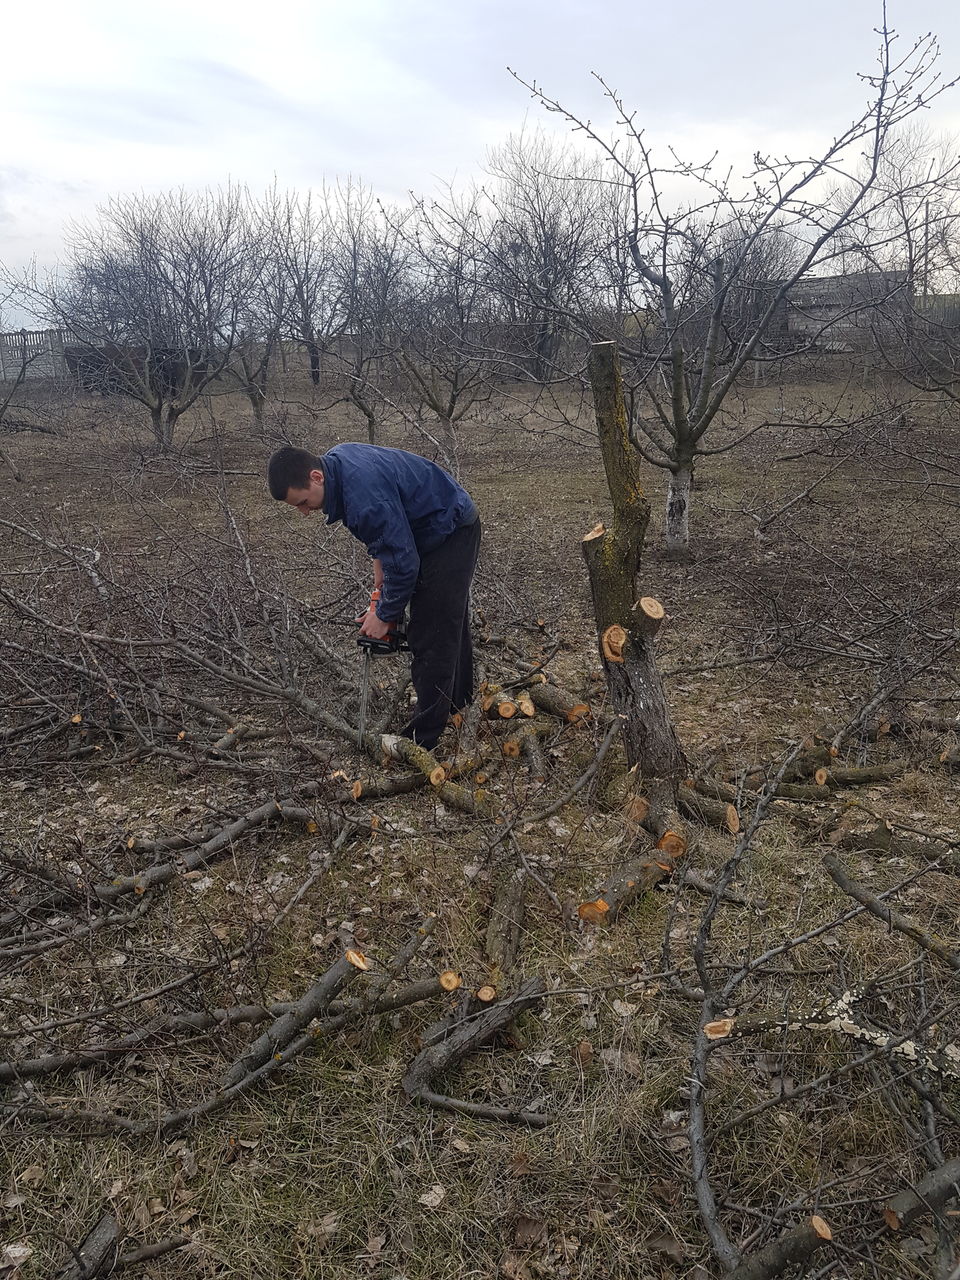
point(107, 662)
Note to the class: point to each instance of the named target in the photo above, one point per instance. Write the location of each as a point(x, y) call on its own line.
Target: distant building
point(843, 313)
point(38, 353)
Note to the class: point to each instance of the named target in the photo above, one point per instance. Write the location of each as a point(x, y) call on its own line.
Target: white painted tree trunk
point(678, 510)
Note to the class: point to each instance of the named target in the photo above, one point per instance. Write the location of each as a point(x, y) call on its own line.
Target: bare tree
point(693, 239)
point(153, 298)
point(369, 268)
point(917, 236)
point(304, 242)
point(447, 326)
point(545, 247)
point(266, 310)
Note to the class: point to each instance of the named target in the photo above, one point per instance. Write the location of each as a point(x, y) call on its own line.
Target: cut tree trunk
point(613, 560)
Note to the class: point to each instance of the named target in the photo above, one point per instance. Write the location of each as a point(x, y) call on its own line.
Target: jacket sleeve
point(393, 545)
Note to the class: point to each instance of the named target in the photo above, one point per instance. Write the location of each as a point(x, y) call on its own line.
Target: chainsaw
point(395, 641)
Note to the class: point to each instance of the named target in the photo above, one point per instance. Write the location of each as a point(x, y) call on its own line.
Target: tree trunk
point(451, 446)
point(626, 626)
point(314, 353)
point(164, 420)
point(257, 397)
point(678, 510)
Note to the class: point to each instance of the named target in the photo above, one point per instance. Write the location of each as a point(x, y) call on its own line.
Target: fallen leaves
point(15, 1255)
point(583, 1053)
point(669, 1245)
point(623, 1061)
point(528, 1231)
point(434, 1197)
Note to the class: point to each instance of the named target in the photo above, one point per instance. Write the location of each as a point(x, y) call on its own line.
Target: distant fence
point(39, 353)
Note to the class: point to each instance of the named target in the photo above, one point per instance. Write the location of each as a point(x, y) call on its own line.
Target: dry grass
point(327, 1171)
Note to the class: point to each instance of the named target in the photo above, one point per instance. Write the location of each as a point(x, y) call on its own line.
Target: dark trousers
point(439, 635)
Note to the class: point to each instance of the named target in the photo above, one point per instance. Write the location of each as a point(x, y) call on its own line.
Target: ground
point(781, 626)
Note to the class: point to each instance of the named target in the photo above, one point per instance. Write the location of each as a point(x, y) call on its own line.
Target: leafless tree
point(917, 237)
point(447, 325)
point(153, 297)
point(265, 312)
point(370, 259)
point(694, 236)
point(12, 377)
point(304, 242)
point(546, 246)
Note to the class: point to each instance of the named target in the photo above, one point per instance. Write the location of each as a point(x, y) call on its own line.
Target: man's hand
point(373, 626)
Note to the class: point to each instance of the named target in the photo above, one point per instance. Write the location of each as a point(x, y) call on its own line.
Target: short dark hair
point(290, 468)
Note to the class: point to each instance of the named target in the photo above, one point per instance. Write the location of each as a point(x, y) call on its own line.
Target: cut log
point(380, 788)
point(525, 704)
point(794, 1246)
point(533, 755)
point(450, 980)
point(849, 776)
point(419, 758)
point(813, 758)
point(798, 1246)
point(506, 921)
point(525, 742)
point(452, 793)
point(498, 705)
point(559, 703)
point(461, 765)
point(486, 994)
point(715, 789)
point(932, 1193)
point(712, 813)
point(623, 886)
point(480, 802)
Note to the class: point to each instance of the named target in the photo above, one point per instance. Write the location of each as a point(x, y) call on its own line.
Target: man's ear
point(316, 476)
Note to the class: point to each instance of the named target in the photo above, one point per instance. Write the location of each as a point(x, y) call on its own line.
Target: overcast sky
point(104, 96)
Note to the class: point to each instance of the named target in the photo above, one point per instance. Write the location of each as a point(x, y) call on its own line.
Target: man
point(423, 532)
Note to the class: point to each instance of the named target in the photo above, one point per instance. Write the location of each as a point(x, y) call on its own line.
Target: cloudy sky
point(106, 96)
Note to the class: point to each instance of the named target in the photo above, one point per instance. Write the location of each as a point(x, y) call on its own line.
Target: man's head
point(295, 476)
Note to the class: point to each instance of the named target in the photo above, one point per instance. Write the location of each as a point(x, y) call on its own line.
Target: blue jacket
point(399, 505)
